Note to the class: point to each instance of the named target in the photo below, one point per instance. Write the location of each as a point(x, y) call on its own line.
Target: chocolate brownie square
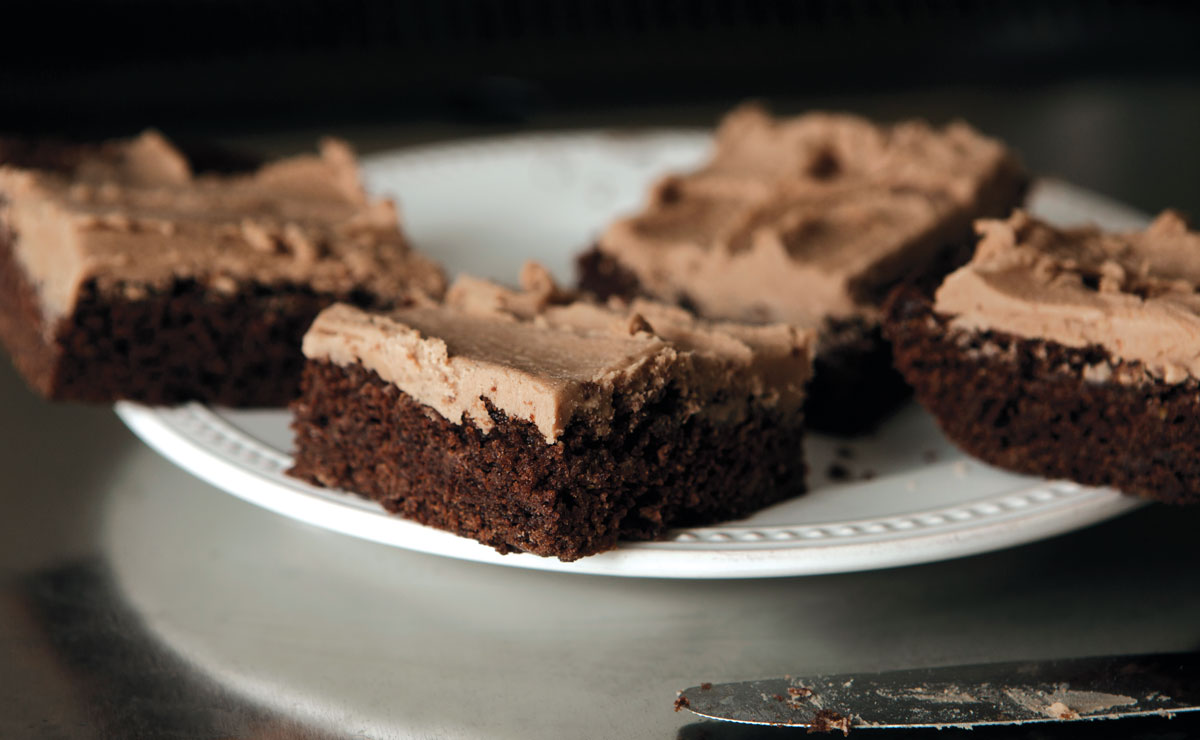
point(1066, 353)
point(124, 274)
point(536, 423)
point(811, 221)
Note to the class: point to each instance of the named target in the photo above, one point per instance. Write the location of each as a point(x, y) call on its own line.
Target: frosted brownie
point(532, 422)
point(1067, 353)
point(811, 220)
point(124, 274)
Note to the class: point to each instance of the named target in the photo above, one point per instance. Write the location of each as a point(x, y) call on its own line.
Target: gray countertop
point(136, 601)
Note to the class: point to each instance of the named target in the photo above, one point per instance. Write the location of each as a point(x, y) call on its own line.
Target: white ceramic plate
point(904, 495)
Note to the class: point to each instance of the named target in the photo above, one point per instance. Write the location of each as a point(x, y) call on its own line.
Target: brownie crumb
point(868, 474)
point(837, 471)
point(827, 720)
point(929, 456)
point(778, 697)
point(681, 702)
point(705, 686)
point(800, 691)
point(844, 452)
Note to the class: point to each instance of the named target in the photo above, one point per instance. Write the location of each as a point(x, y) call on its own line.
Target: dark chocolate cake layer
point(239, 350)
point(167, 347)
point(854, 386)
point(657, 468)
point(1026, 405)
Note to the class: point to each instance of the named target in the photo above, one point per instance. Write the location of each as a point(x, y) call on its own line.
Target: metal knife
point(1016, 693)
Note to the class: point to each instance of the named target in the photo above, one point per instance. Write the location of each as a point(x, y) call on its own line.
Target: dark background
point(1104, 93)
point(99, 67)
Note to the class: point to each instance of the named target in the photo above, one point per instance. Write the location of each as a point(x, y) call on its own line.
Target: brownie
point(127, 274)
point(1066, 353)
point(811, 221)
point(535, 423)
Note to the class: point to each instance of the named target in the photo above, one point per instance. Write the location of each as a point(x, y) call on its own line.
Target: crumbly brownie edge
point(1025, 405)
point(181, 343)
point(658, 468)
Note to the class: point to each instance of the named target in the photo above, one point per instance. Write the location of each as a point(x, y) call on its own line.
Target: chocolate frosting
point(803, 219)
point(536, 354)
point(1134, 294)
point(133, 217)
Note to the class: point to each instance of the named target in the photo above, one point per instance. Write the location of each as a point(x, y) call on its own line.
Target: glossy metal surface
point(137, 602)
point(1013, 693)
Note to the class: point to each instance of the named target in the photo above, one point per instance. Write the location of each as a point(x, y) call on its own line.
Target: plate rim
point(199, 440)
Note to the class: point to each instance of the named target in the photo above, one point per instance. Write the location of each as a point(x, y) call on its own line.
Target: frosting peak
point(148, 160)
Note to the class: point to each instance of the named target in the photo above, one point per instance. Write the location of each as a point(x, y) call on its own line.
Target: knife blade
point(1013, 693)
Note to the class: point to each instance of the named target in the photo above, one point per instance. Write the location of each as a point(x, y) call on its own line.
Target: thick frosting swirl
point(807, 218)
point(132, 216)
point(539, 355)
point(1134, 294)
